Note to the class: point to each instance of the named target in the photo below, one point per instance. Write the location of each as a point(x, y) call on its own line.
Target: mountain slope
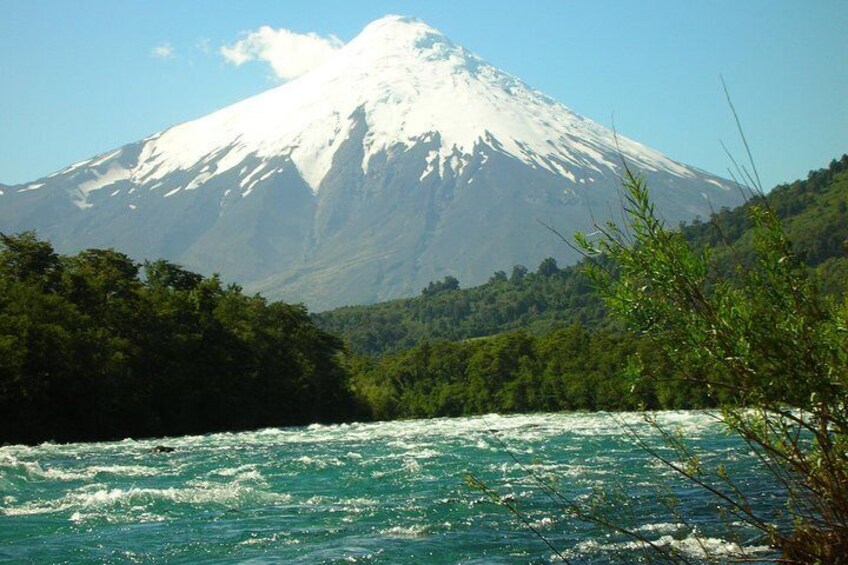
point(814, 212)
point(401, 159)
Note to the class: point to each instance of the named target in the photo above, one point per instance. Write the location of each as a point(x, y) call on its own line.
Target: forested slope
point(814, 212)
point(541, 341)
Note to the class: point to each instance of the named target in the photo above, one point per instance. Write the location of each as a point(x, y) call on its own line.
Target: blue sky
point(80, 78)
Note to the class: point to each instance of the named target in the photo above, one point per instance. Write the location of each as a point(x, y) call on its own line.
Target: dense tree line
point(92, 346)
point(566, 369)
point(534, 301)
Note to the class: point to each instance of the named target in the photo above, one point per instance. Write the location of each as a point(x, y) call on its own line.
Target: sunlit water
point(365, 493)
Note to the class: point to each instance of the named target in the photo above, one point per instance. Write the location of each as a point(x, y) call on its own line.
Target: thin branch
point(759, 184)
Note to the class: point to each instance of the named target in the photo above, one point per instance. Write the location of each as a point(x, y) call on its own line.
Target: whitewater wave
point(98, 500)
point(692, 546)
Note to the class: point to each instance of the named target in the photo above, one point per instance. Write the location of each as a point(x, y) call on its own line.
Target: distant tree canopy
point(91, 350)
point(548, 267)
point(518, 273)
point(498, 276)
point(448, 284)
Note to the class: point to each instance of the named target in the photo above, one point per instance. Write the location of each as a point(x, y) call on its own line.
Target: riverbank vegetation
point(752, 322)
point(569, 368)
point(95, 346)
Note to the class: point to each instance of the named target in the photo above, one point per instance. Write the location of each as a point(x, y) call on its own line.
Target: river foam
point(362, 492)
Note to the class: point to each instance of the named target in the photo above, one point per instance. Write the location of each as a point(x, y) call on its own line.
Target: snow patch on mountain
point(431, 163)
point(35, 186)
point(717, 183)
point(113, 174)
point(198, 180)
point(250, 186)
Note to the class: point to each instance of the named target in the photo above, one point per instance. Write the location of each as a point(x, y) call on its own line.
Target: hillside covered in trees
point(542, 341)
point(813, 211)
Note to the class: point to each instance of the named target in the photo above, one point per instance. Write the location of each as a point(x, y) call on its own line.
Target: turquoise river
point(391, 492)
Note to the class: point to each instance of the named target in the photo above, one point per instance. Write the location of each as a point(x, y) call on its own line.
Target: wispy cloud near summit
point(163, 51)
point(289, 53)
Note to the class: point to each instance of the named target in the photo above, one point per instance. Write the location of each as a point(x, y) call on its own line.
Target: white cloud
point(290, 54)
point(163, 51)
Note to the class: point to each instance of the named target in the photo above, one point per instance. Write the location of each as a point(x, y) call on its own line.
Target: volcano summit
point(399, 160)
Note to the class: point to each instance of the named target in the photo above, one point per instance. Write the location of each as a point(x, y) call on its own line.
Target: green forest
point(96, 346)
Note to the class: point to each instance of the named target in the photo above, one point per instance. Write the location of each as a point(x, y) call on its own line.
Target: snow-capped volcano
point(402, 158)
point(409, 81)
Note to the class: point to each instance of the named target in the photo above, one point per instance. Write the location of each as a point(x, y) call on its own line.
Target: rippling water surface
point(391, 492)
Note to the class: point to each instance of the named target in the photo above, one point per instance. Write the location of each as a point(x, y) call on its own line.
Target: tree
point(162, 273)
point(548, 267)
point(25, 258)
point(498, 276)
point(761, 337)
point(448, 284)
point(518, 273)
